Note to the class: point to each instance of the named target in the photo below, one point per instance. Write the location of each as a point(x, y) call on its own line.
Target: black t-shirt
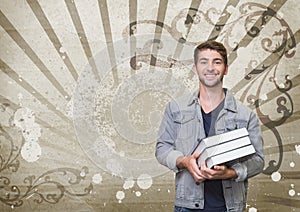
point(213, 191)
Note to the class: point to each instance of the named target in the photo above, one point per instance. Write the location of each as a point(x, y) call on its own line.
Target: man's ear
point(226, 70)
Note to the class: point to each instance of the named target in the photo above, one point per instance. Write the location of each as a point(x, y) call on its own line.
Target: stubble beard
point(214, 84)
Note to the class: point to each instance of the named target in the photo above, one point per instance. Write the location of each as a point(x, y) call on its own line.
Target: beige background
point(84, 84)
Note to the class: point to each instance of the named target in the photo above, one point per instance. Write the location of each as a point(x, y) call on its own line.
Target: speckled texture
point(84, 85)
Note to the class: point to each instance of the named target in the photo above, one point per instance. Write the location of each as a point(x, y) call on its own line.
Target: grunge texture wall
point(84, 84)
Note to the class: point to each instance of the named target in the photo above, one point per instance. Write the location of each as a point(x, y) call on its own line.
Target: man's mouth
point(211, 74)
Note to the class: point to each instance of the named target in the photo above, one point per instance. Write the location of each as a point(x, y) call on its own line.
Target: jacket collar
point(229, 104)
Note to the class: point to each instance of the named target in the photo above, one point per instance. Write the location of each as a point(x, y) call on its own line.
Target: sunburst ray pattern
point(84, 85)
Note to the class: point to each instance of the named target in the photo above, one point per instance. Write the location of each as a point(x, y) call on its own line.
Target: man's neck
point(210, 98)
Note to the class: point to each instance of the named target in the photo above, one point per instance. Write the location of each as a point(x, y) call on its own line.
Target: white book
point(221, 138)
point(230, 155)
point(223, 147)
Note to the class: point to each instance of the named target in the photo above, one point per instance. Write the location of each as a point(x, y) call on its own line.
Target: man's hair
point(213, 45)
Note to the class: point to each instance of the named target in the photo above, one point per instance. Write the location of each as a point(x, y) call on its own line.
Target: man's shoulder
point(235, 102)
point(243, 106)
point(183, 101)
point(243, 109)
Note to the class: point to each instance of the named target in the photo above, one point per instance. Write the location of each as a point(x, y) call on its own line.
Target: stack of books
point(224, 147)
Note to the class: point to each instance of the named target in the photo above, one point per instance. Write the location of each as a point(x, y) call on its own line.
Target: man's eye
point(203, 62)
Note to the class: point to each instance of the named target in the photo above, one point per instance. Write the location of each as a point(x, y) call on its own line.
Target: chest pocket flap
point(185, 125)
point(233, 124)
point(182, 118)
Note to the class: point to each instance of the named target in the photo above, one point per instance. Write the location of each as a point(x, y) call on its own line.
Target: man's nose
point(210, 66)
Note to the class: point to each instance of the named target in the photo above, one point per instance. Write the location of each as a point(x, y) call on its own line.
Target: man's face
point(210, 68)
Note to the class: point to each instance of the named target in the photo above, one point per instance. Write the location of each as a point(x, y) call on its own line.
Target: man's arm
point(165, 153)
point(251, 165)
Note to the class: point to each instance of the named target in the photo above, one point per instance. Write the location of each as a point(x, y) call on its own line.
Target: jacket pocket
point(233, 124)
point(239, 192)
point(186, 126)
point(235, 194)
point(185, 132)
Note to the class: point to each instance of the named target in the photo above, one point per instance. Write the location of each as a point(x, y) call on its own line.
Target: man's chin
point(211, 84)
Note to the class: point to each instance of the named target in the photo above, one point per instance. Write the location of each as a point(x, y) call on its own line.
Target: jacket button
point(198, 139)
point(197, 205)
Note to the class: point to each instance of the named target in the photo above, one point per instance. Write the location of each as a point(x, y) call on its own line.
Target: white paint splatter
point(97, 179)
point(62, 49)
point(138, 193)
point(32, 132)
point(231, 9)
point(264, 97)
point(297, 147)
point(252, 209)
point(129, 183)
point(292, 192)
point(144, 181)
point(31, 151)
point(280, 15)
point(82, 173)
point(24, 119)
point(281, 85)
point(276, 176)
point(120, 196)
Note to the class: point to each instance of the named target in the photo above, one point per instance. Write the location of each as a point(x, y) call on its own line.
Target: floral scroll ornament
point(10, 149)
point(179, 35)
point(254, 17)
point(283, 47)
point(250, 13)
point(49, 187)
point(38, 187)
point(283, 43)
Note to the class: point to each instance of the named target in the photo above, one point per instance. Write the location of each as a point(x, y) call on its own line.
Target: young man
point(209, 111)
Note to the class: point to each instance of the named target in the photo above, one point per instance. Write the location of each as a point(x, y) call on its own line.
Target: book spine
point(230, 155)
point(223, 148)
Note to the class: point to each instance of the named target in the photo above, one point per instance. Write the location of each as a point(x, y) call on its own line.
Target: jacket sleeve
point(253, 164)
point(166, 152)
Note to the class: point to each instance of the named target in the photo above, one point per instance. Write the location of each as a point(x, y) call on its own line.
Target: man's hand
point(190, 163)
point(218, 172)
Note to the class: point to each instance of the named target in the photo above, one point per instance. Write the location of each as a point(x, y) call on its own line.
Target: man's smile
point(211, 74)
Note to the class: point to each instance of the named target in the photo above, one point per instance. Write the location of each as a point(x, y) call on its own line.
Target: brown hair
point(213, 45)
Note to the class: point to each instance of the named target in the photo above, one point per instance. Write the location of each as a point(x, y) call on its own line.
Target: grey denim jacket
point(180, 131)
